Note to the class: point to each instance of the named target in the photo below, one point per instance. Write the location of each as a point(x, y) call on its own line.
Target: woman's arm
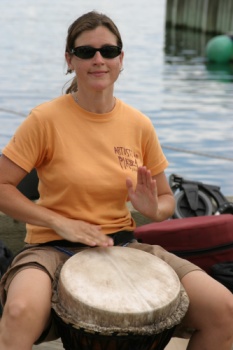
point(152, 196)
point(19, 207)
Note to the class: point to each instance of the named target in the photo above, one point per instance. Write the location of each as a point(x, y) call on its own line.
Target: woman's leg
point(27, 310)
point(211, 304)
point(210, 312)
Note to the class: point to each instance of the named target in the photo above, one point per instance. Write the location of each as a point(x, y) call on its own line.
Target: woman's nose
point(98, 57)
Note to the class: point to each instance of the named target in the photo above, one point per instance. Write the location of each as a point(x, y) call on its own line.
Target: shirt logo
point(128, 159)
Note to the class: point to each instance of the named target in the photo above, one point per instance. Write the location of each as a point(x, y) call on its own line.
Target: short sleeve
point(28, 147)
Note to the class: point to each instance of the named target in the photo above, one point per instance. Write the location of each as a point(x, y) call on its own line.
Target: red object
point(203, 240)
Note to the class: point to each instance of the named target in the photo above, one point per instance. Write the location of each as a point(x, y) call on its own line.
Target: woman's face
point(96, 73)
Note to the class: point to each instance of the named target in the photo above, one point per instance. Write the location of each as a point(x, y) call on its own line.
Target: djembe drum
point(117, 298)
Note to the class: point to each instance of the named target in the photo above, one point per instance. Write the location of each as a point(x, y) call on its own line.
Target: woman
point(92, 153)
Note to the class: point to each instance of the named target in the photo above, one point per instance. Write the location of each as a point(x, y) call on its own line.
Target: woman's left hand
point(144, 197)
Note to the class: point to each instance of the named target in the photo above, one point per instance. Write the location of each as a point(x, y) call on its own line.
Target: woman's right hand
point(82, 232)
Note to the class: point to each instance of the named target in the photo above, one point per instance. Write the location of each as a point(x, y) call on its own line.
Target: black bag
point(5, 258)
point(195, 198)
point(29, 185)
point(223, 273)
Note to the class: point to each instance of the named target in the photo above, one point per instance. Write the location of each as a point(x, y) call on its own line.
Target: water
point(165, 76)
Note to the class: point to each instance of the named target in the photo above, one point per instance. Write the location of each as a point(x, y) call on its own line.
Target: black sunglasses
point(86, 52)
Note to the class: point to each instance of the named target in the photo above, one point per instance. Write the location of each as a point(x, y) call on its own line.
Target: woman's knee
point(16, 310)
point(22, 310)
point(211, 304)
point(27, 299)
point(227, 309)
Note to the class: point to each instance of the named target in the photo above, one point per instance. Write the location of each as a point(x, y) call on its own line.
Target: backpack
point(223, 273)
point(194, 198)
point(5, 258)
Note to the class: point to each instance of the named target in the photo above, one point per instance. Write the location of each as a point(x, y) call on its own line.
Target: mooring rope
point(176, 149)
point(12, 112)
point(197, 153)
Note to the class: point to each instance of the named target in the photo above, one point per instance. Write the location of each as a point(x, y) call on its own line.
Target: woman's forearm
point(19, 207)
point(166, 207)
point(14, 204)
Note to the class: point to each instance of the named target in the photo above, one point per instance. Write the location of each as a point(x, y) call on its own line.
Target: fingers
point(83, 232)
point(143, 195)
point(97, 238)
point(145, 182)
point(144, 178)
point(145, 189)
point(129, 185)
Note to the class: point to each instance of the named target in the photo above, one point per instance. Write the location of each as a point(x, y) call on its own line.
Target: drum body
point(117, 298)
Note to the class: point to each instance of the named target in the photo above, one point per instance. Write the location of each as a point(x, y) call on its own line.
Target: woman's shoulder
point(54, 104)
point(133, 114)
point(50, 111)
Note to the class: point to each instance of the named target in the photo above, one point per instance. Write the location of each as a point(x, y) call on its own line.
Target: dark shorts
point(48, 258)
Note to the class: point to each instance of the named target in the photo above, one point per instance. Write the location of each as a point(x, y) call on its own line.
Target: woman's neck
point(96, 103)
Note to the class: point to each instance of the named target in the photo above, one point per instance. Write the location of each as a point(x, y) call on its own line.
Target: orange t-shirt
point(83, 160)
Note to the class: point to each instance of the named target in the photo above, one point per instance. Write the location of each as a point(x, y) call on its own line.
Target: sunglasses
point(87, 52)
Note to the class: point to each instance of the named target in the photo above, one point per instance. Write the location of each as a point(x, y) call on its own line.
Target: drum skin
point(119, 290)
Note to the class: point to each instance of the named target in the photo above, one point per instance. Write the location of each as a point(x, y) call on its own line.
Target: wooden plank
point(229, 22)
point(53, 345)
point(177, 344)
point(184, 11)
point(204, 15)
point(174, 344)
point(212, 13)
point(198, 20)
point(174, 12)
point(169, 7)
point(222, 17)
point(191, 14)
point(181, 20)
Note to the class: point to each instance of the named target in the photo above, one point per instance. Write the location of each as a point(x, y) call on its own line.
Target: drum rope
point(63, 250)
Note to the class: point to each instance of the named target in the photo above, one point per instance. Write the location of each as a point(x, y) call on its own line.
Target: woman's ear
point(121, 61)
point(68, 58)
point(122, 57)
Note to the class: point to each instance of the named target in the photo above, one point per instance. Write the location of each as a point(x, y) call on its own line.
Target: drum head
point(119, 289)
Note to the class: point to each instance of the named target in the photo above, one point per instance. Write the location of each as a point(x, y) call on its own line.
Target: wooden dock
point(53, 345)
point(175, 344)
point(215, 16)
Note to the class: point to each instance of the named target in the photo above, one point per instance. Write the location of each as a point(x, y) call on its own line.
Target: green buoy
point(220, 49)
